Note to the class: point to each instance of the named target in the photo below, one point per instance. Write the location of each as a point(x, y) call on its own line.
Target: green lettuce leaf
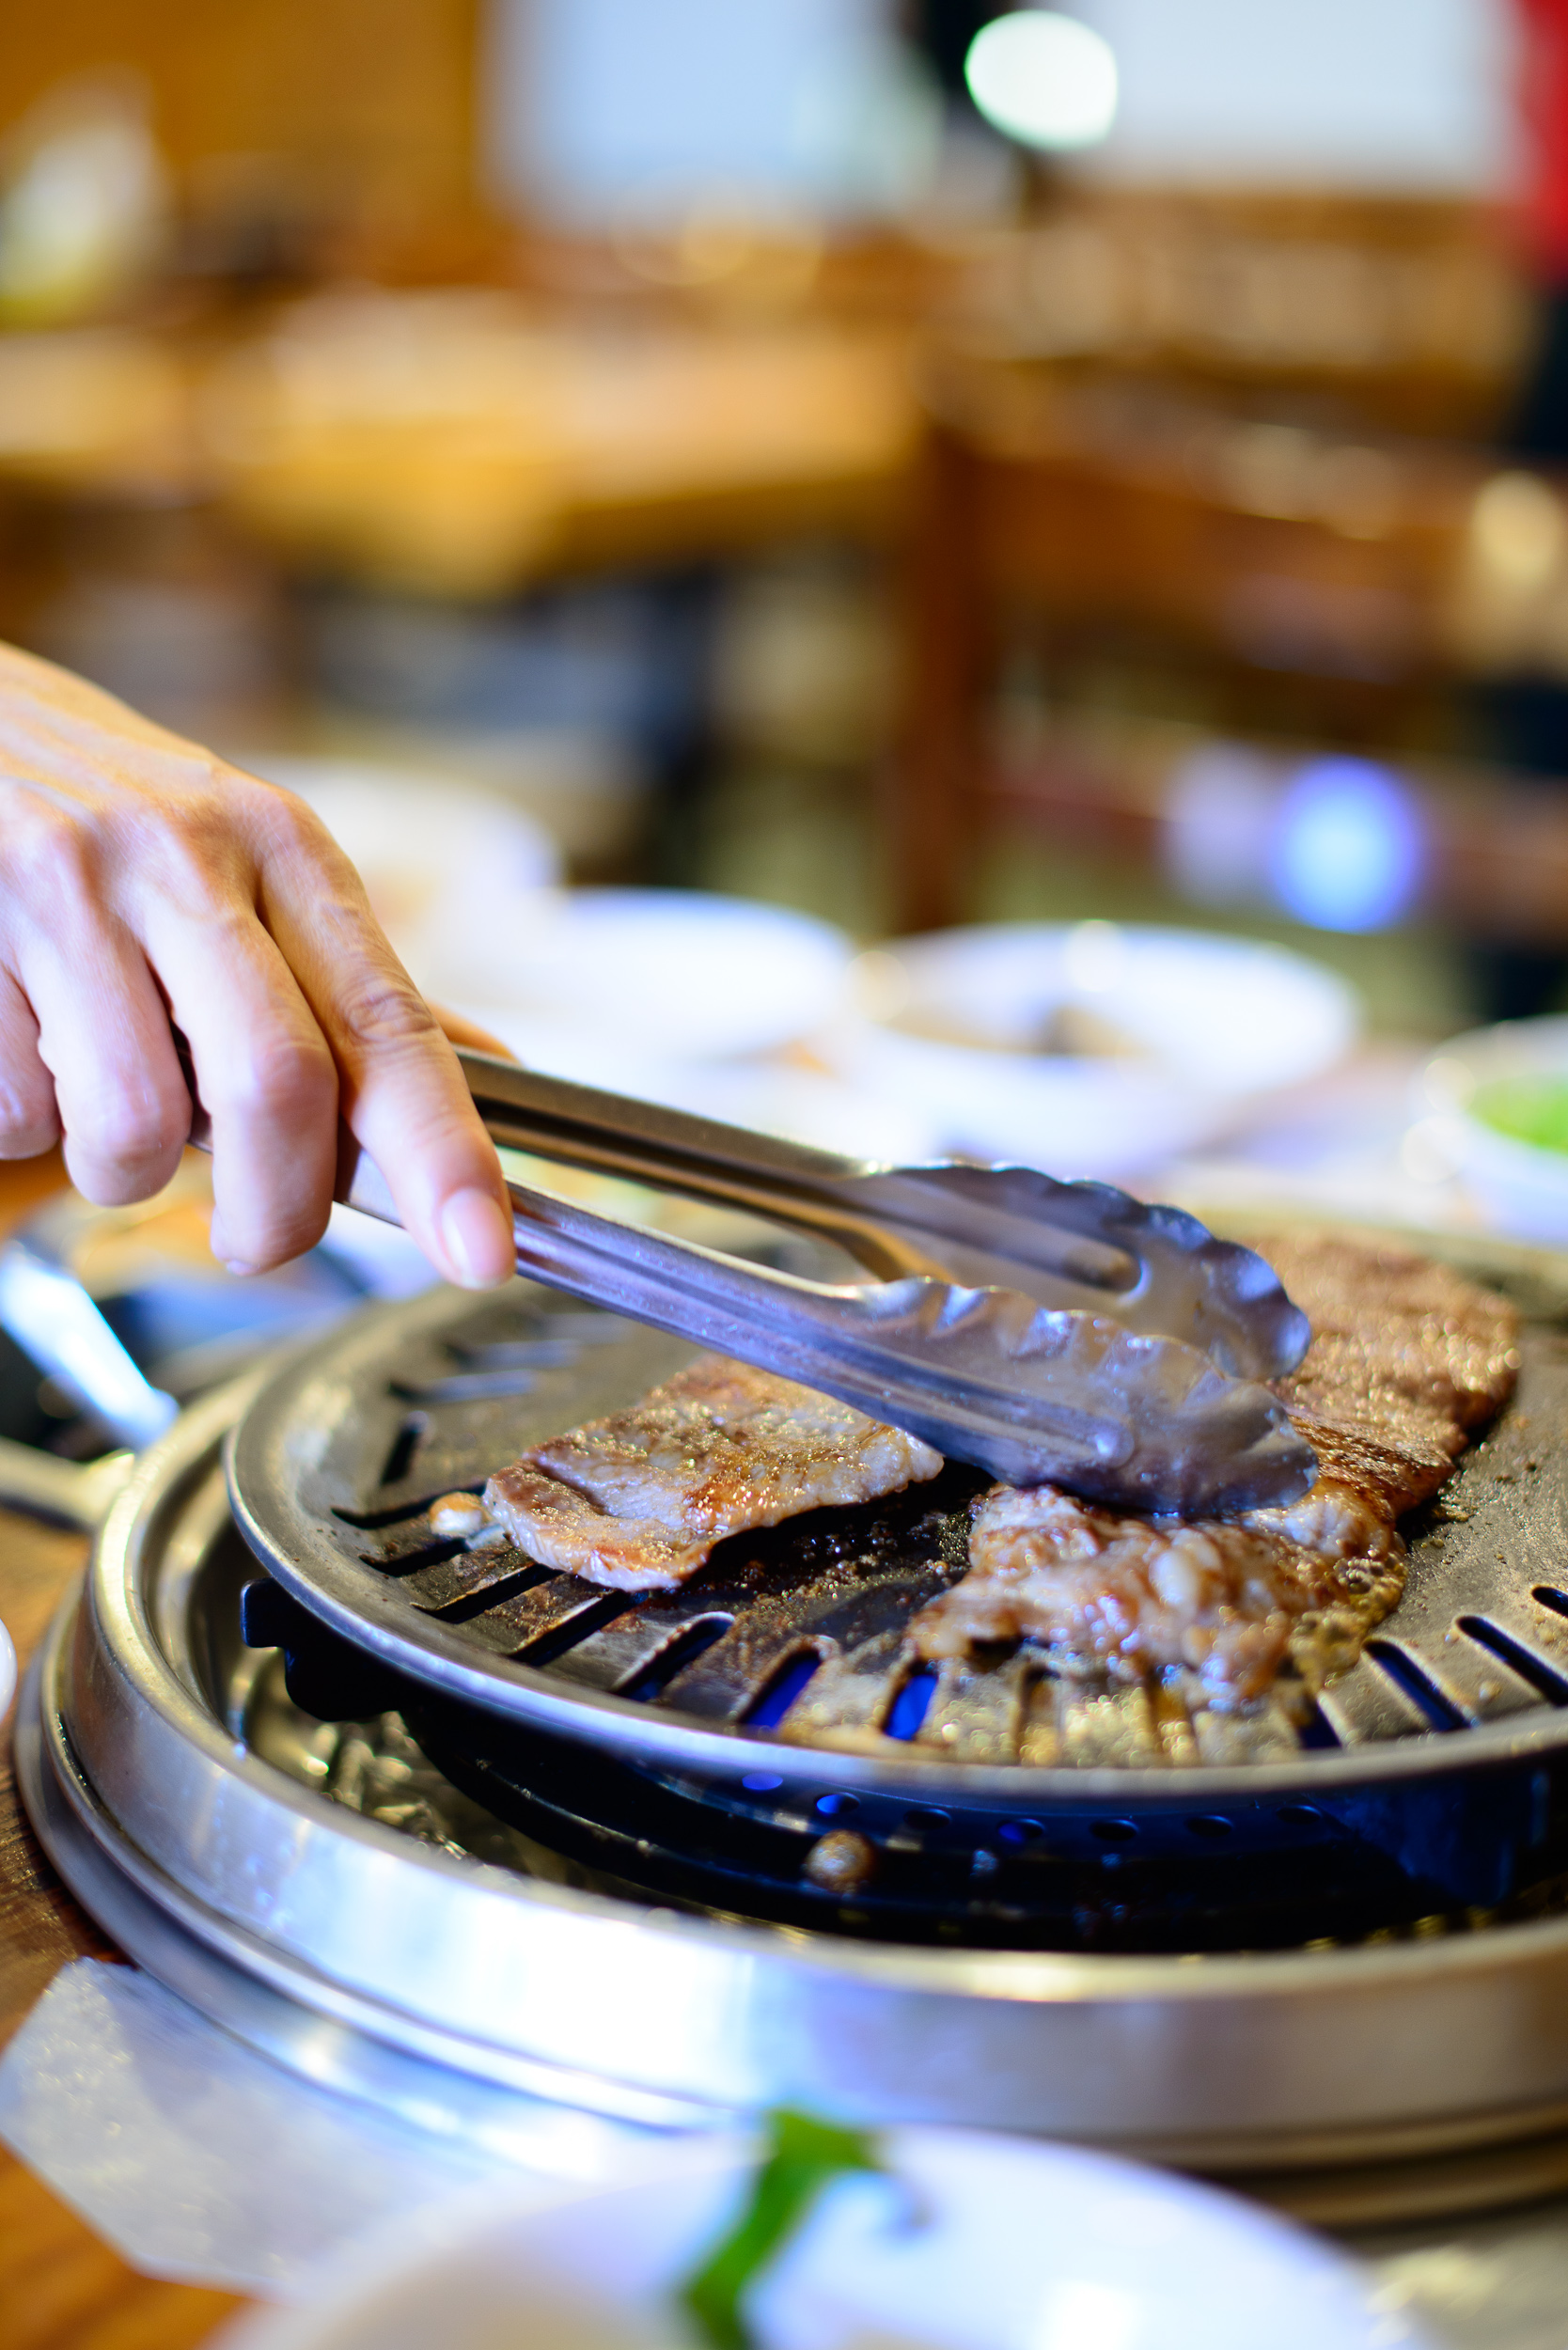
point(803, 2155)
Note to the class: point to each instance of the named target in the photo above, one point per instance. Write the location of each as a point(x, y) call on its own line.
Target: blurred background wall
point(1407, 94)
point(768, 455)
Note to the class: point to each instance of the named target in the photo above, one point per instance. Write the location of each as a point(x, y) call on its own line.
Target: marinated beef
point(1406, 1359)
point(638, 1499)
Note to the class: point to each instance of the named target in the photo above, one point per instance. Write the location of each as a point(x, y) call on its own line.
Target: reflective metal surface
point(153, 1725)
point(1044, 1330)
point(332, 1463)
point(1083, 1246)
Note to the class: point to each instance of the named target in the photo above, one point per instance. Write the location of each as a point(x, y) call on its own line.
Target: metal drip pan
point(321, 1891)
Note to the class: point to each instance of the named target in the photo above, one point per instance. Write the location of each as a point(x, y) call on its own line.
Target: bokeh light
point(1043, 79)
point(1350, 846)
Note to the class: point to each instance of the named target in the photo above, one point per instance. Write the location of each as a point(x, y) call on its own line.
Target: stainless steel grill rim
point(1303, 2057)
point(281, 1468)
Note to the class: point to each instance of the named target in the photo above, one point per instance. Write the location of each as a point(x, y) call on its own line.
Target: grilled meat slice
point(638, 1499)
point(1226, 1601)
point(1407, 1359)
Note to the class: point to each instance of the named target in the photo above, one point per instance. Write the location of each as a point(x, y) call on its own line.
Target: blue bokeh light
point(1349, 848)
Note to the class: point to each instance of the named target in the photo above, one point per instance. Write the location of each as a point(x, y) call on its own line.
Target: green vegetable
point(1531, 1109)
point(803, 2157)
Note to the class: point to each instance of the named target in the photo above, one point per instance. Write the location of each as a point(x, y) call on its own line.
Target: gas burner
point(604, 1895)
point(761, 1742)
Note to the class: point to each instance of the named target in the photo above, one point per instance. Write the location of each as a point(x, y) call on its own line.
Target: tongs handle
point(1084, 1247)
point(1028, 1391)
point(985, 1375)
point(647, 1142)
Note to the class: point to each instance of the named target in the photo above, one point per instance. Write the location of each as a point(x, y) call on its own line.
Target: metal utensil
point(335, 1462)
point(1042, 1330)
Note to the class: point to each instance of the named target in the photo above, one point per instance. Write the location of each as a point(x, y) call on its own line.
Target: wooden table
point(459, 445)
point(60, 2288)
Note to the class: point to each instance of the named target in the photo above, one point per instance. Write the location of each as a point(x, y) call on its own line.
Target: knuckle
point(283, 1075)
point(285, 822)
point(51, 853)
point(187, 849)
point(386, 1013)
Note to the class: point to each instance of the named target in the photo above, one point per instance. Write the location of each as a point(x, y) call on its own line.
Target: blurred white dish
point(8, 1671)
point(1519, 1186)
point(434, 853)
point(671, 974)
point(775, 1097)
point(987, 2244)
point(1168, 1033)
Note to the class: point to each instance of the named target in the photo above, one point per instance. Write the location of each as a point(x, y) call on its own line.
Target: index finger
point(400, 1089)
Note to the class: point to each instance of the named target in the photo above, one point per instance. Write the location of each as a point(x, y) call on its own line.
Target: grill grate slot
point(464, 1387)
point(490, 1595)
point(1540, 1677)
point(850, 1696)
point(468, 1573)
point(907, 1714)
point(1479, 1684)
point(1314, 1731)
point(371, 1520)
point(1405, 1669)
point(401, 1566)
point(1368, 1706)
point(729, 1679)
point(601, 1609)
point(405, 1443)
point(539, 1618)
point(788, 1683)
point(656, 1677)
point(653, 1634)
point(978, 1716)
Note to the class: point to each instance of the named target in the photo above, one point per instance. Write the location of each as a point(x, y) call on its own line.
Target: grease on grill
point(841, 1862)
point(462, 1515)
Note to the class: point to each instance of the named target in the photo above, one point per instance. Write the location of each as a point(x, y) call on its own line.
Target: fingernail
point(477, 1238)
point(238, 1265)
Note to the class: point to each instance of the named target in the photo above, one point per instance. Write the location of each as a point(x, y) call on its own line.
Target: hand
point(143, 881)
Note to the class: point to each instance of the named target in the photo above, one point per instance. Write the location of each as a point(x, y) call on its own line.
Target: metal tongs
point(1047, 1331)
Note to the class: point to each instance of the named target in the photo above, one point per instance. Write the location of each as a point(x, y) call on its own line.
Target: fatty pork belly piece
point(1406, 1359)
point(1132, 1597)
point(638, 1500)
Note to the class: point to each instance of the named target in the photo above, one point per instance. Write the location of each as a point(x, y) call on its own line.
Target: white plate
point(660, 974)
point(1519, 1187)
point(984, 2244)
point(771, 1095)
point(8, 1671)
point(949, 1023)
